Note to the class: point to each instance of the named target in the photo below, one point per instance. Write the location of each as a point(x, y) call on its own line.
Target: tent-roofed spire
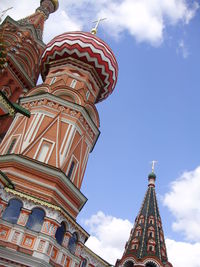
point(41, 14)
point(146, 244)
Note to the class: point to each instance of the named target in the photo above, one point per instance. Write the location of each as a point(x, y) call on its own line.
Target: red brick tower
point(146, 244)
point(24, 46)
point(43, 159)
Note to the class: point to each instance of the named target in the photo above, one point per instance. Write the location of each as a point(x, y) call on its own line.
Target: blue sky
point(153, 113)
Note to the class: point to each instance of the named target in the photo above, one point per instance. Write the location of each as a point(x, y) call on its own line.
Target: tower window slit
point(71, 169)
point(73, 83)
point(11, 146)
point(53, 80)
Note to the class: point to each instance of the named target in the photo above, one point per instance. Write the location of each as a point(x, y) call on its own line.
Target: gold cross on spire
point(153, 165)
point(2, 13)
point(95, 29)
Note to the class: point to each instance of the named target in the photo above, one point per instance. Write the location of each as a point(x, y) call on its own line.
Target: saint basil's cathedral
point(47, 132)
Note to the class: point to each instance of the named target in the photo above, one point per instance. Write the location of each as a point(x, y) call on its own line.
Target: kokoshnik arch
point(43, 158)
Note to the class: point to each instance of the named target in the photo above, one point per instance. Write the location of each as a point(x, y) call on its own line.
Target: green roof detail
point(147, 237)
point(152, 175)
point(22, 110)
point(14, 106)
point(6, 179)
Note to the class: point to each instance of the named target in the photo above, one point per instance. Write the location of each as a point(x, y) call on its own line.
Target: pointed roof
point(146, 244)
point(41, 14)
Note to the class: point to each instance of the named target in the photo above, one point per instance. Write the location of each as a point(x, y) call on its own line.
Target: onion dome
point(54, 2)
point(89, 49)
point(152, 179)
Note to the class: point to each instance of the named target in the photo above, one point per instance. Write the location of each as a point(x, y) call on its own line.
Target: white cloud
point(145, 20)
point(183, 201)
point(108, 235)
point(182, 48)
point(183, 254)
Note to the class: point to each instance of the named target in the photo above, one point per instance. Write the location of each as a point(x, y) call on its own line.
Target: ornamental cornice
point(63, 105)
point(93, 258)
point(70, 109)
point(11, 110)
point(30, 27)
point(47, 169)
point(52, 211)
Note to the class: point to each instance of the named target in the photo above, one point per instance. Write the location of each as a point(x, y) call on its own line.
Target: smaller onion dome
point(54, 2)
point(89, 49)
point(152, 179)
point(152, 175)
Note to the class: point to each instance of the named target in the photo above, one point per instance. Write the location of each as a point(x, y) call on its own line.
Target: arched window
point(60, 233)
point(84, 263)
point(12, 212)
point(129, 264)
point(72, 243)
point(35, 219)
point(151, 234)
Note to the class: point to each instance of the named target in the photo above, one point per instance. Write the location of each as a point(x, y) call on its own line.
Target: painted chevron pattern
point(89, 49)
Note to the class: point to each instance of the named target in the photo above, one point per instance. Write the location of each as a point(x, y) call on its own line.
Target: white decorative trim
point(64, 103)
point(47, 170)
point(21, 176)
point(40, 147)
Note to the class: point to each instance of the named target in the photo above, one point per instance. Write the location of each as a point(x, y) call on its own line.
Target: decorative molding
point(52, 211)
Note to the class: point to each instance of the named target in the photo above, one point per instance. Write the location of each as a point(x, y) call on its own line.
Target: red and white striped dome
point(89, 49)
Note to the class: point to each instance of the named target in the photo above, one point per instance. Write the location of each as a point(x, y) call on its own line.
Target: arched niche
point(12, 211)
point(68, 95)
point(73, 243)
point(128, 263)
point(35, 219)
point(60, 233)
point(38, 91)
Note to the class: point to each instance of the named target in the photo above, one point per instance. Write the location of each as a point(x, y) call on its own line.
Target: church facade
point(43, 156)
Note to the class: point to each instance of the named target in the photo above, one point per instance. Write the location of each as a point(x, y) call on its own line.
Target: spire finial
point(4, 12)
point(153, 165)
point(95, 29)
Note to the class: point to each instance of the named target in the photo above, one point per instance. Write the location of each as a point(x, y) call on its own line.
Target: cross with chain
point(95, 29)
point(153, 165)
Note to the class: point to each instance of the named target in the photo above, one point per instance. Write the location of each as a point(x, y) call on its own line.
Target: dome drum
point(88, 49)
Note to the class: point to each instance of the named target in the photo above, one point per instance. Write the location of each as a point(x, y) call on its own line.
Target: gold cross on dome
point(153, 165)
point(4, 12)
point(95, 29)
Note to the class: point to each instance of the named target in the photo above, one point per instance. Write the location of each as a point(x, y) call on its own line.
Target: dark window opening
point(60, 233)
point(12, 211)
point(84, 263)
point(150, 234)
point(71, 169)
point(11, 146)
point(72, 243)
point(129, 264)
point(150, 264)
point(35, 219)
